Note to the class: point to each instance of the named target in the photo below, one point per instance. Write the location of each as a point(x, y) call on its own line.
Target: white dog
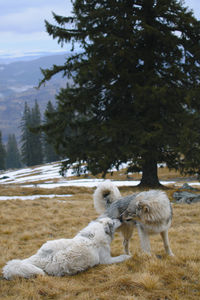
point(153, 213)
point(89, 247)
point(109, 202)
point(150, 211)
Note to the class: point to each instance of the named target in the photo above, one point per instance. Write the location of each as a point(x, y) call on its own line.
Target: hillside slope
point(17, 85)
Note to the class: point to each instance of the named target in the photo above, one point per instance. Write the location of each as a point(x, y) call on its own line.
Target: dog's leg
point(127, 231)
point(126, 246)
point(144, 240)
point(116, 259)
point(165, 239)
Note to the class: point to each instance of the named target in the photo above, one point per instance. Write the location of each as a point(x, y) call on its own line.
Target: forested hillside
point(17, 86)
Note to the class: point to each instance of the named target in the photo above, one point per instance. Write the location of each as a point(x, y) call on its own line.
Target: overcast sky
point(22, 29)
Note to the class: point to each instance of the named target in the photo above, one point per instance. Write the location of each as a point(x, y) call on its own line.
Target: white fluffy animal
point(109, 202)
point(89, 247)
point(151, 211)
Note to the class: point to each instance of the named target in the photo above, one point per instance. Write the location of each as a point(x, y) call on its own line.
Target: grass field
point(26, 225)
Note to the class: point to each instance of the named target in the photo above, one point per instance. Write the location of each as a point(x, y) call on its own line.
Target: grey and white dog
point(150, 211)
point(109, 202)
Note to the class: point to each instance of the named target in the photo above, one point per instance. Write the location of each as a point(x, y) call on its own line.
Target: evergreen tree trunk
point(150, 174)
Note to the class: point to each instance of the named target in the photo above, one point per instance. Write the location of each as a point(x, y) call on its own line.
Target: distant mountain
point(28, 56)
point(17, 85)
point(28, 72)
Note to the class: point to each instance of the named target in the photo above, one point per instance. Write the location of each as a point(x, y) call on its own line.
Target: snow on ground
point(32, 197)
point(49, 173)
point(45, 172)
point(90, 183)
point(51, 179)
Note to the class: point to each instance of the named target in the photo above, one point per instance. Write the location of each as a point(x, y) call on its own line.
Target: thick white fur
point(153, 213)
point(105, 194)
point(157, 220)
point(89, 247)
point(159, 208)
point(99, 197)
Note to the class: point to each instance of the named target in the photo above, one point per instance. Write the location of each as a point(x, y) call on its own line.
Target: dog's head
point(149, 207)
point(135, 211)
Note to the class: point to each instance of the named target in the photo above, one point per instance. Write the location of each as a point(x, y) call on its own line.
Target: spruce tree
point(13, 159)
point(26, 146)
point(135, 93)
point(36, 137)
point(2, 154)
point(49, 149)
point(31, 139)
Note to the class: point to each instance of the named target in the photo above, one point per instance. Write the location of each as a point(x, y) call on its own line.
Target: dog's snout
point(123, 216)
point(117, 223)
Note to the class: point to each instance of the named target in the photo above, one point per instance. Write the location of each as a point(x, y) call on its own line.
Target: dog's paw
point(126, 256)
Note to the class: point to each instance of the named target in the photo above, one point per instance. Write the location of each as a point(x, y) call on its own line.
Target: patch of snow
point(90, 183)
point(45, 172)
point(32, 197)
point(50, 174)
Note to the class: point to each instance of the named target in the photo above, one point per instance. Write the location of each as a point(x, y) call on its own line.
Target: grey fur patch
point(109, 229)
point(88, 235)
point(116, 208)
point(46, 253)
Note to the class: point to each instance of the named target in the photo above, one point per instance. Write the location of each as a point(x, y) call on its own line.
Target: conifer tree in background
point(49, 151)
point(13, 159)
point(2, 154)
point(31, 141)
point(135, 95)
point(36, 137)
point(26, 151)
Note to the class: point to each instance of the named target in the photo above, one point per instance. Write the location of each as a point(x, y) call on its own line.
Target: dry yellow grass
point(26, 225)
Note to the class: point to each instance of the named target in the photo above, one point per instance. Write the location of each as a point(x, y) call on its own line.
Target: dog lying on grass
point(90, 247)
point(150, 211)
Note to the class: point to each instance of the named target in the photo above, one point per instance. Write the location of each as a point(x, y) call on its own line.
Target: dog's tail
point(104, 195)
point(21, 268)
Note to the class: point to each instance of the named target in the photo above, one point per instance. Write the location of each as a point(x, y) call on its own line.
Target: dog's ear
point(108, 228)
point(145, 208)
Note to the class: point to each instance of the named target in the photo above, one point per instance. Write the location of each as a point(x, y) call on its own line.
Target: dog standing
point(109, 202)
point(153, 212)
point(155, 217)
point(89, 247)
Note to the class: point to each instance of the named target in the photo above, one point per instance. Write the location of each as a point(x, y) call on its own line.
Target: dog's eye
point(128, 219)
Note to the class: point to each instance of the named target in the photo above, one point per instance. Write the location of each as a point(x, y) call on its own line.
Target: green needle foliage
point(135, 93)
point(13, 159)
point(31, 141)
point(49, 151)
point(2, 154)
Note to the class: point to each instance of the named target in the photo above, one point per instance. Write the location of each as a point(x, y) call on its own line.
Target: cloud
point(31, 19)
point(22, 27)
point(18, 45)
point(9, 6)
point(193, 5)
